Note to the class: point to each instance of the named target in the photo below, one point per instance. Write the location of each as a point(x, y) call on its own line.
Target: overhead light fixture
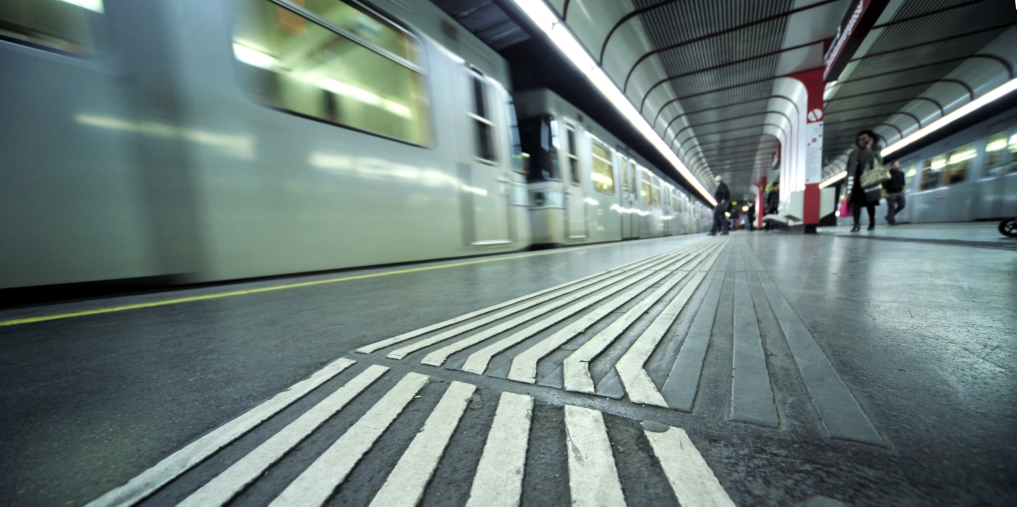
point(92, 5)
point(833, 179)
point(829, 90)
point(256, 58)
point(961, 112)
point(997, 145)
point(546, 20)
point(962, 156)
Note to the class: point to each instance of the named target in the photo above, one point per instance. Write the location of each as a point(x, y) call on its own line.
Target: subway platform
point(750, 369)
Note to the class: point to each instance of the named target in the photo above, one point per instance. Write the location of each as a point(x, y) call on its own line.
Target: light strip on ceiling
point(833, 179)
point(545, 19)
point(961, 112)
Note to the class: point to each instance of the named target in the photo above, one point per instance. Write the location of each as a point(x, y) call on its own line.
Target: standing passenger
point(861, 158)
point(722, 195)
point(894, 193)
point(752, 216)
point(772, 204)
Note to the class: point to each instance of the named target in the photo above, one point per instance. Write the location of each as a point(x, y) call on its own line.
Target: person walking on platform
point(894, 188)
point(752, 216)
point(862, 157)
point(723, 196)
point(772, 204)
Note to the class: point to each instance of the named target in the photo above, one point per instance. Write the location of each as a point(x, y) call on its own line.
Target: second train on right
point(969, 175)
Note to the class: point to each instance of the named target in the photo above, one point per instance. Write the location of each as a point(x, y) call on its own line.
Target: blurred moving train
point(195, 140)
point(970, 175)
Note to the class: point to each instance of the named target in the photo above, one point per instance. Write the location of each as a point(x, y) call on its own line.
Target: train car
point(234, 139)
point(180, 141)
point(970, 175)
point(585, 185)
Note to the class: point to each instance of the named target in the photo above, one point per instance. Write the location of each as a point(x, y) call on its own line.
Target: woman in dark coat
point(862, 157)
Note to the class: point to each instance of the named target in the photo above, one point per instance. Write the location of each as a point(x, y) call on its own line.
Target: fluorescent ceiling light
point(999, 144)
point(961, 112)
point(548, 22)
point(255, 58)
point(829, 90)
point(92, 5)
point(962, 156)
point(833, 179)
point(362, 95)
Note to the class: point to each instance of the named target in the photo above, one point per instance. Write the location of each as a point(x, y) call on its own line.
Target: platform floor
point(753, 369)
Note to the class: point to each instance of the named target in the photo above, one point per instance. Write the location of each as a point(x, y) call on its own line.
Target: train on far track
point(969, 175)
point(172, 141)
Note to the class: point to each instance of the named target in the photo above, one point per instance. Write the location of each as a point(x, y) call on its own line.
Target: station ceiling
point(710, 75)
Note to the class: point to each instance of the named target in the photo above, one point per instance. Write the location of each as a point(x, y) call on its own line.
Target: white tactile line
point(593, 477)
point(405, 486)
point(315, 485)
point(498, 481)
point(576, 366)
point(690, 477)
point(224, 486)
point(637, 382)
point(439, 356)
point(179, 462)
point(406, 350)
point(559, 300)
point(638, 385)
point(479, 360)
point(524, 365)
point(373, 347)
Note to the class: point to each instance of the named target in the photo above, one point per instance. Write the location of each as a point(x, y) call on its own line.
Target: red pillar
point(813, 81)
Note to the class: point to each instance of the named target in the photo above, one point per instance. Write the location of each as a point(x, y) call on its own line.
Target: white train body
point(969, 175)
point(192, 141)
point(588, 187)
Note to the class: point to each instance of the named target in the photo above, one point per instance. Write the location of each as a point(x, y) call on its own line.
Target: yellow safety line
point(190, 299)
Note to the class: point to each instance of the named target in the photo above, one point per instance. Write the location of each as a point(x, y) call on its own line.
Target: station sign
point(858, 20)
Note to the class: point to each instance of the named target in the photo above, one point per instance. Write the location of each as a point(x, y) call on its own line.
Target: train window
point(73, 26)
point(303, 61)
point(519, 159)
point(358, 24)
point(483, 147)
point(996, 154)
point(645, 193)
point(932, 170)
point(909, 175)
point(603, 169)
point(1013, 153)
point(626, 167)
point(958, 163)
point(540, 146)
point(655, 188)
point(573, 158)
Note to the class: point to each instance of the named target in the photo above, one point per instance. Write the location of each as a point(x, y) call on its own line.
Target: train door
point(628, 200)
point(575, 196)
point(484, 183)
point(646, 203)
